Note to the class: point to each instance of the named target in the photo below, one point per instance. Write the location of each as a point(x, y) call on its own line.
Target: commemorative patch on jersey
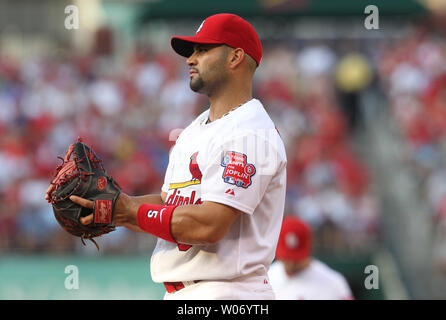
point(237, 170)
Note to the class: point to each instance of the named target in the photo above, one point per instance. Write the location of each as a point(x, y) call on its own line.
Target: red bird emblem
point(193, 167)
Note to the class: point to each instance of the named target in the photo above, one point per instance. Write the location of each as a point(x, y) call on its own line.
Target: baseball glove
point(82, 174)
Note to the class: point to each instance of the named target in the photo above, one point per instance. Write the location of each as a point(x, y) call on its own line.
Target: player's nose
point(191, 61)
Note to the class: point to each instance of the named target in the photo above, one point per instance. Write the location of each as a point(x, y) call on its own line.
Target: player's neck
point(223, 102)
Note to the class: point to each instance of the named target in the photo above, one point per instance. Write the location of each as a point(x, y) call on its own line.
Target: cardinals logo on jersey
point(176, 197)
point(193, 167)
point(194, 171)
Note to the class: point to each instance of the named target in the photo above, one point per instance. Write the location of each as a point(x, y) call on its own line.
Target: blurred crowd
point(328, 183)
point(127, 110)
point(413, 76)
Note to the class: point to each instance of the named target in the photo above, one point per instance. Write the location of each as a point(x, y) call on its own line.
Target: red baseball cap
point(222, 28)
point(294, 240)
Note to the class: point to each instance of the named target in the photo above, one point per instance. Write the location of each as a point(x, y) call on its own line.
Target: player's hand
point(125, 211)
point(86, 204)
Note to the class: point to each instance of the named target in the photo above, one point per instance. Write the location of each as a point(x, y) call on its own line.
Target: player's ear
point(236, 57)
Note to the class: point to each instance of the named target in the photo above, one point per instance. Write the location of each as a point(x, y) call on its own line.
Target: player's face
point(290, 267)
point(207, 66)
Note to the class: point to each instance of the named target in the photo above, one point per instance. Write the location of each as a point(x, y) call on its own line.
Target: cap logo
point(291, 241)
point(201, 26)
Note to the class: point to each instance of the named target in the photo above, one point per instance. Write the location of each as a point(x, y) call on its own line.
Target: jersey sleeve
point(239, 171)
point(345, 291)
point(341, 288)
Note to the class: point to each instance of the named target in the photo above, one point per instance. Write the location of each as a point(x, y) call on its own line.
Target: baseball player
point(220, 209)
point(296, 275)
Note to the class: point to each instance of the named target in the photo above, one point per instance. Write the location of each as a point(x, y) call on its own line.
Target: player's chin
point(196, 84)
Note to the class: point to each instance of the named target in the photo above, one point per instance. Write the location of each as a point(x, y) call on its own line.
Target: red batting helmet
point(294, 240)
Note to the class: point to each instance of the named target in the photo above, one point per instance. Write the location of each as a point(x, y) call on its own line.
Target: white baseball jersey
point(316, 282)
point(238, 160)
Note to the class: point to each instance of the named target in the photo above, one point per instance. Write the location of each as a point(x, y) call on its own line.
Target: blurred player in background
point(296, 275)
point(219, 212)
